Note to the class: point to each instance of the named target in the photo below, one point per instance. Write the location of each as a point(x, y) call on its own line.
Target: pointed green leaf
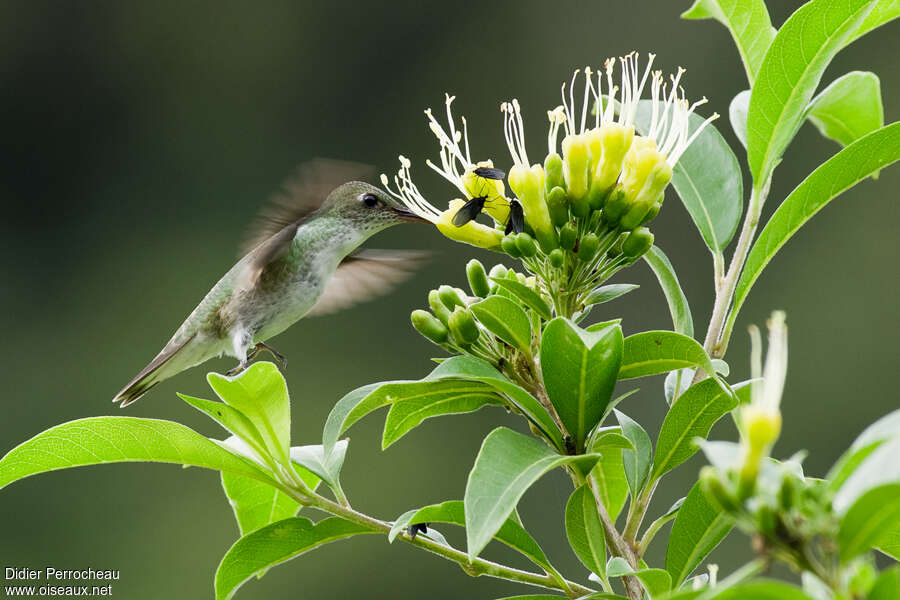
point(887, 586)
point(707, 178)
point(761, 589)
point(609, 473)
point(883, 11)
point(655, 352)
point(692, 416)
point(102, 440)
point(849, 108)
point(682, 320)
point(405, 415)
point(608, 437)
point(275, 544)
point(585, 530)
point(842, 171)
point(697, 530)
point(748, 22)
point(505, 319)
point(605, 293)
point(579, 369)
point(314, 460)
point(507, 465)
point(637, 461)
point(232, 420)
point(260, 393)
point(885, 428)
point(790, 73)
point(737, 115)
point(510, 533)
point(256, 504)
point(528, 296)
point(868, 520)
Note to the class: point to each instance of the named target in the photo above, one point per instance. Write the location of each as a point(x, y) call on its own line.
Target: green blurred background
point(138, 141)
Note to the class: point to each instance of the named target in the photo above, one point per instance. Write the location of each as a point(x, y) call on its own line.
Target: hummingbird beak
point(408, 215)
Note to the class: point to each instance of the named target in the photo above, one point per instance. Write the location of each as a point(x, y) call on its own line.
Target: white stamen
point(407, 192)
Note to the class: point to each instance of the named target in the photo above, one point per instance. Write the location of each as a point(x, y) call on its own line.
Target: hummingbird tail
point(159, 369)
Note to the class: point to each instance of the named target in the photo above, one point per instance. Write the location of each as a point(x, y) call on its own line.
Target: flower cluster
point(581, 214)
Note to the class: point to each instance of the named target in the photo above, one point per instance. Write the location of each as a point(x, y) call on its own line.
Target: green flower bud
point(575, 165)
point(478, 281)
point(651, 214)
point(597, 197)
point(787, 494)
point(567, 236)
point(558, 204)
point(525, 244)
point(557, 258)
point(766, 519)
point(581, 207)
point(498, 271)
point(429, 326)
point(617, 204)
point(712, 487)
point(437, 307)
point(588, 246)
point(637, 242)
point(635, 215)
point(509, 245)
point(646, 173)
point(463, 326)
point(553, 167)
point(609, 146)
point(451, 297)
point(616, 249)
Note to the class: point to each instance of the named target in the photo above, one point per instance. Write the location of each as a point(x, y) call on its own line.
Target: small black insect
point(417, 528)
point(469, 210)
point(490, 173)
point(516, 221)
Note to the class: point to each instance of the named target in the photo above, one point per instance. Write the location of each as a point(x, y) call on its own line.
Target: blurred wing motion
point(366, 275)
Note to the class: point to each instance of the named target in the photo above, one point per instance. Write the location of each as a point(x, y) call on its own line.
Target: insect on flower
point(471, 209)
point(516, 222)
point(490, 173)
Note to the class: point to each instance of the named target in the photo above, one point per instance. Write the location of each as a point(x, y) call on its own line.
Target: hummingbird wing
point(300, 196)
point(366, 275)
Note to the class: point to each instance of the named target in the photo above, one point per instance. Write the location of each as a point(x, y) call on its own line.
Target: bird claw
point(239, 368)
point(260, 347)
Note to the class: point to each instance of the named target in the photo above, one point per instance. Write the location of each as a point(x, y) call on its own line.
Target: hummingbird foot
point(261, 347)
point(239, 368)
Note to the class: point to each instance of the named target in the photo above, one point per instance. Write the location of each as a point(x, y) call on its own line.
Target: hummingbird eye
point(370, 200)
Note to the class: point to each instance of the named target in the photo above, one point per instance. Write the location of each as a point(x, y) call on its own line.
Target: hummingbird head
point(369, 208)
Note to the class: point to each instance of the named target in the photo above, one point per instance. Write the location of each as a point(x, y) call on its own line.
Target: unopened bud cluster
point(580, 214)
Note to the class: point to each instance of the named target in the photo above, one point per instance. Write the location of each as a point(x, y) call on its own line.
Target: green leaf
point(313, 459)
point(890, 544)
point(609, 473)
point(256, 504)
point(682, 320)
point(849, 108)
point(868, 520)
point(233, 421)
point(883, 11)
point(697, 530)
point(579, 369)
point(608, 437)
point(748, 22)
point(887, 586)
point(507, 465)
point(275, 544)
point(585, 530)
point(637, 461)
point(762, 589)
point(405, 415)
point(260, 393)
point(605, 293)
point(737, 115)
point(655, 581)
point(528, 296)
point(879, 468)
point(707, 178)
point(510, 533)
point(654, 352)
point(505, 319)
point(101, 440)
point(865, 443)
point(693, 415)
point(842, 171)
point(790, 73)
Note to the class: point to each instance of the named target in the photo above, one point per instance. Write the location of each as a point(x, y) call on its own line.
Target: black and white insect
point(516, 221)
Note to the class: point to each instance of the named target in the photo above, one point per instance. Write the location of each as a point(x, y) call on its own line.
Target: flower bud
point(463, 326)
point(637, 242)
point(496, 204)
point(766, 520)
point(576, 160)
point(498, 271)
point(616, 249)
point(588, 246)
point(567, 236)
point(478, 281)
point(437, 307)
point(472, 233)
point(609, 146)
point(558, 205)
point(597, 197)
point(528, 184)
point(581, 206)
point(654, 210)
point(429, 326)
point(557, 258)
point(509, 245)
point(525, 244)
point(553, 167)
point(617, 204)
point(451, 297)
point(646, 173)
point(711, 485)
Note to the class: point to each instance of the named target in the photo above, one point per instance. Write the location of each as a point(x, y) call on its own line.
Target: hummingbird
point(302, 260)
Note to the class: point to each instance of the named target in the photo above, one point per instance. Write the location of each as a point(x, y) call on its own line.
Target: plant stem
point(618, 546)
point(474, 567)
point(636, 513)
